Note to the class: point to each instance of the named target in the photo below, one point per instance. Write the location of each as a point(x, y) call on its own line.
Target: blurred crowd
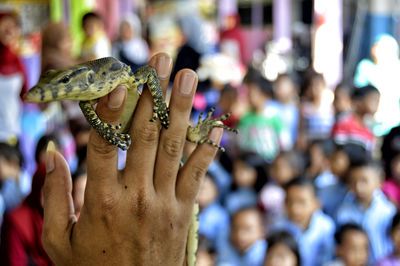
point(312, 178)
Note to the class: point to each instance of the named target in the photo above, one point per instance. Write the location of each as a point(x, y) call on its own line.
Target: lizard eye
point(65, 79)
point(90, 78)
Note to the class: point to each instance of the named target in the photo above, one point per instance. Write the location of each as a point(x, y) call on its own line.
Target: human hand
point(140, 215)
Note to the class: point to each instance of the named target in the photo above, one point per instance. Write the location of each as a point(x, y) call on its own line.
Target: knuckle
point(172, 146)
point(140, 205)
point(108, 206)
point(198, 172)
point(49, 239)
point(147, 134)
point(100, 146)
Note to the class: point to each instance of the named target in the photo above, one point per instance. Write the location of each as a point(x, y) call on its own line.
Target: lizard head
point(86, 81)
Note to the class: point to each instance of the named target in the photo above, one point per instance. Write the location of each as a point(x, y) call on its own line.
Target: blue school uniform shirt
point(375, 220)
point(214, 223)
point(239, 199)
point(316, 244)
point(253, 256)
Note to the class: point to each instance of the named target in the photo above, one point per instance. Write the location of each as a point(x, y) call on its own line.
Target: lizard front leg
point(105, 130)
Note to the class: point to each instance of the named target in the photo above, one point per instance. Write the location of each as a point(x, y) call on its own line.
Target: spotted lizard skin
point(87, 82)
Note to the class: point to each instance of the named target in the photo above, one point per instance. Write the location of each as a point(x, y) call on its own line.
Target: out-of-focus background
point(312, 178)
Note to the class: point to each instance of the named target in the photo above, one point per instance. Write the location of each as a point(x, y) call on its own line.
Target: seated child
point(287, 166)
point(352, 246)
point(391, 187)
point(95, 44)
point(243, 194)
point(367, 206)
point(213, 218)
point(247, 245)
point(313, 230)
point(282, 250)
point(342, 100)
point(394, 258)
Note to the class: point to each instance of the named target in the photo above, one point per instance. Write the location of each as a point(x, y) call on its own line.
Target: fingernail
point(50, 156)
point(116, 97)
point(186, 83)
point(215, 135)
point(163, 64)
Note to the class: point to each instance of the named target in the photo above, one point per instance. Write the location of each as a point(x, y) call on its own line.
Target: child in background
point(342, 100)
point(95, 44)
point(342, 158)
point(352, 246)
point(367, 206)
point(318, 169)
point(394, 258)
point(282, 250)
point(287, 166)
point(285, 93)
point(247, 245)
point(243, 194)
point(353, 128)
point(313, 230)
point(391, 187)
point(261, 129)
point(213, 218)
point(205, 255)
point(316, 111)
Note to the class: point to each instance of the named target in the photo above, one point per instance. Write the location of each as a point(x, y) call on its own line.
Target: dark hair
point(90, 15)
point(345, 87)
point(357, 154)
point(294, 159)
point(248, 209)
point(10, 14)
point(254, 77)
point(395, 221)
point(340, 233)
point(301, 182)
point(376, 165)
point(327, 146)
point(42, 145)
point(362, 92)
point(283, 237)
point(11, 153)
point(205, 244)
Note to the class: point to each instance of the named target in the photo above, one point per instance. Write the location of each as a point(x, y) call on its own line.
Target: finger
point(102, 156)
point(173, 139)
point(145, 134)
point(58, 206)
point(195, 168)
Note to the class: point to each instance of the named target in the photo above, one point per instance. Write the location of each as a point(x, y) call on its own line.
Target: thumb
point(58, 206)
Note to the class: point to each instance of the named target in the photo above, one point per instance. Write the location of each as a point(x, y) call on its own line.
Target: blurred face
point(284, 89)
point(256, 97)
point(207, 193)
point(204, 258)
point(395, 168)
point(282, 171)
point(126, 31)
point(396, 238)
point(364, 181)
point(280, 255)
point(354, 249)
point(9, 31)
point(246, 229)
point(371, 103)
point(315, 89)
point(317, 157)
point(340, 163)
point(91, 26)
point(243, 174)
point(301, 203)
point(341, 102)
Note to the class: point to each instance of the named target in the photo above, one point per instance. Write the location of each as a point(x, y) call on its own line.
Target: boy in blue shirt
point(247, 245)
point(367, 206)
point(313, 230)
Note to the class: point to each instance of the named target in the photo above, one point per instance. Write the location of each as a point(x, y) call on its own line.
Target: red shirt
point(350, 130)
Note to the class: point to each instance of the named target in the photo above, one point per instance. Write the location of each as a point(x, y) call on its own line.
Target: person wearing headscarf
point(131, 48)
point(13, 79)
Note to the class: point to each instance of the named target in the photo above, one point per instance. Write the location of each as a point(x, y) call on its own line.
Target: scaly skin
point(87, 82)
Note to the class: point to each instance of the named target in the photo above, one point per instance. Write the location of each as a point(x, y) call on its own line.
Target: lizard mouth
point(33, 95)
